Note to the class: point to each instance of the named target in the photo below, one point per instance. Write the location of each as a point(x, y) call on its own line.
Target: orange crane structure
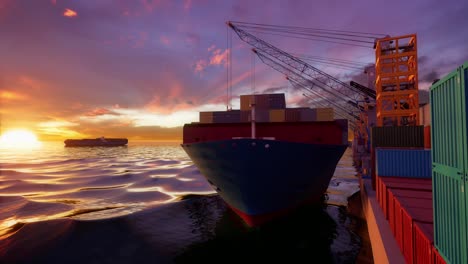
point(396, 84)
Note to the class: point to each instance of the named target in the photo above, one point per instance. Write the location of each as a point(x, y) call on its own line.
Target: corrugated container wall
point(425, 115)
point(410, 163)
point(261, 115)
point(263, 101)
point(448, 99)
point(398, 136)
point(206, 117)
point(277, 115)
point(292, 114)
point(323, 114)
point(232, 116)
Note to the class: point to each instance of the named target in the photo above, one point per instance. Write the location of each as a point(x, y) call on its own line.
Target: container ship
point(266, 160)
point(96, 142)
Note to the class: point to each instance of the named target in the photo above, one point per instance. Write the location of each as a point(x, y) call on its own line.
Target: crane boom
point(298, 65)
point(306, 84)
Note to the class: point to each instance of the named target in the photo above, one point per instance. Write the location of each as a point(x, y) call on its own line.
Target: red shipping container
point(408, 216)
point(398, 222)
point(391, 210)
point(417, 203)
point(427, 137)
point(412, 193)
point(407, 180)
point(373, 168)
point(411, 197)
point(422, 186)
point(437, 258)
point(423, 235)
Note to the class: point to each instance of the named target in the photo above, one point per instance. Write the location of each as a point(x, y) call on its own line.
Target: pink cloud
point(150, 5)
point(69, 13)
point(212, 47)
point(54, 2)
point(187, 4)
point(219, 57)
point(200, 66)
point(141, 39)
point(165, 40)
point(100, 111)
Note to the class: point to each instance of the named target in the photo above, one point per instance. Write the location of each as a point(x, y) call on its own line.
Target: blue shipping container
point(413, 163)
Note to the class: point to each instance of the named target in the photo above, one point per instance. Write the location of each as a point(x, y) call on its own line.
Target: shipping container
point(261, 115)
point(425, 115)
point(398, 224)
point(398, 136)
point(415, 163)
point(391, 210)
point(262, 101)
point(423, 237)
point(206, 117)
point(323, 114)
point(232, 116)
point(398, 194)
point(427, 137)
point(277, 115)
point(409, 215)
point(411, 194)
point(308, 114)
point(437, 258)
point(404, 184)
point(450, 165)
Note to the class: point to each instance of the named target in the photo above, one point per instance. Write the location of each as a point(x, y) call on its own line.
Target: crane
point(299, 66)
point(308, 84)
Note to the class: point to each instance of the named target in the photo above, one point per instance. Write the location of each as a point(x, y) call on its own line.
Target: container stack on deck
point(420, 174)
point(268, 108)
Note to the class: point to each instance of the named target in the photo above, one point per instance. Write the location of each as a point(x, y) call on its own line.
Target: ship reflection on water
point(310, 233)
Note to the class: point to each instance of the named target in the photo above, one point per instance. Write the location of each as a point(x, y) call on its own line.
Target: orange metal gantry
point(396, 83)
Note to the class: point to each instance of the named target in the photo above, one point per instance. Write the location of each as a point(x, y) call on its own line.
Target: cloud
point(219, 57)
point(11, 95)
point(151, 5)
point(430, 76)
point(211, 48)
point(187, 4)
point(100, 112)
point(69, 13)
point(216, 57)
point(165, 40)
point(200, 66)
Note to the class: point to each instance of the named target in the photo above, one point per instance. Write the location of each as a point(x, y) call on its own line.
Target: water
point(147, 203)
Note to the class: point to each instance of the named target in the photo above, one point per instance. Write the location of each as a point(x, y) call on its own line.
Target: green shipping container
point(450, 165)
point(402, 136)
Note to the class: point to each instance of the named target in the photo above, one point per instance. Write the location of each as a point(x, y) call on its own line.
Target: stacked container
point(232, 116)
point(262, 101)
point(394, 137)
point(450, 164)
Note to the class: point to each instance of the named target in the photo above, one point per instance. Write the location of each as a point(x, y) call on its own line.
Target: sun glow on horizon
point(19, 139)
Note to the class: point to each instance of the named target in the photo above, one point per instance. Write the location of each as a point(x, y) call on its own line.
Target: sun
point(19, 138)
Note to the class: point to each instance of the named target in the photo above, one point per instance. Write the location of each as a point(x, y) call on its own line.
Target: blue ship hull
point(261, 179)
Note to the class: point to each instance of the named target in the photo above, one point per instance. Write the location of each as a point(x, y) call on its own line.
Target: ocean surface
point(147, 203)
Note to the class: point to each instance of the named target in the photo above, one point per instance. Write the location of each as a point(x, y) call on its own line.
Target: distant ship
point(96, 142)
point(264, 169)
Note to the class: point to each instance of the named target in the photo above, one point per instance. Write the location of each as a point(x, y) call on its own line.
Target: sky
point(141, 69)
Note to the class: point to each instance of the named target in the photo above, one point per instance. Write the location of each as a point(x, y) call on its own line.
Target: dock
point(413, 179)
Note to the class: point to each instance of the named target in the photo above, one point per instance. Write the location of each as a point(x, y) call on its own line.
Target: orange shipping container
point(206, 117)
point(277, 115)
